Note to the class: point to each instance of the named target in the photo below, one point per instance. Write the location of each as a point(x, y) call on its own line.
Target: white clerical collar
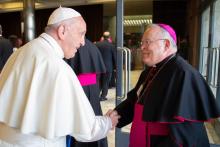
point(52, 42)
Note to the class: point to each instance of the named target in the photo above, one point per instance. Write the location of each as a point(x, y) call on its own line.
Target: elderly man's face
point(75, 38)
point(152, 46)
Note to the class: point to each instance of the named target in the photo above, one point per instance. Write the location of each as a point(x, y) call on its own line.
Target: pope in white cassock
point(41, 100)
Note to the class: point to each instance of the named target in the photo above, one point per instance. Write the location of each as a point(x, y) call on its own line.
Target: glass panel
point(204, 41)
point(216, 29)
point(215, 43)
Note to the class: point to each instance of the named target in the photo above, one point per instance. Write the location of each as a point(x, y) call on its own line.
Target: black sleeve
point(126, 108)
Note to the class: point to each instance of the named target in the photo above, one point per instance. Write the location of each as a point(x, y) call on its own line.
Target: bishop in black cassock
point(171, 101)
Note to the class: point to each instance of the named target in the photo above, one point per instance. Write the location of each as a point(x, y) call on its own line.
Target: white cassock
point(41, 100)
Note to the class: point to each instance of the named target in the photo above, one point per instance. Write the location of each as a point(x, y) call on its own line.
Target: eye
point(146, 42)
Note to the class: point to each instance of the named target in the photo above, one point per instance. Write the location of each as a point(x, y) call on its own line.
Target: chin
point(147, 63)
point(70, 56)
point(73, 55)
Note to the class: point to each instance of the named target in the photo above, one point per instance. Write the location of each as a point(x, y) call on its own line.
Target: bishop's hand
point(113, 116)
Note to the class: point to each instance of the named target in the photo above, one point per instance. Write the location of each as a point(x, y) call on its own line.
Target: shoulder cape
point(178, 93)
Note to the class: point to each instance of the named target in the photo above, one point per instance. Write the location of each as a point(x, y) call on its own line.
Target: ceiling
point(131, 7)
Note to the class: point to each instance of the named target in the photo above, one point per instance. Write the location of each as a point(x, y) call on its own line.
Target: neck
point(165, 60)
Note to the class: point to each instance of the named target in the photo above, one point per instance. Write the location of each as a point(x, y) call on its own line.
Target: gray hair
point(52, 27)
point(164, 34)
point(49, 28)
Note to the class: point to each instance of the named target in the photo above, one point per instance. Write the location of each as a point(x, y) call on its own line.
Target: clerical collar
point(158, 65)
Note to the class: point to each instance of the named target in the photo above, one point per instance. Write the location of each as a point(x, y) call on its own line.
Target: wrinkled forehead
point(152, 33)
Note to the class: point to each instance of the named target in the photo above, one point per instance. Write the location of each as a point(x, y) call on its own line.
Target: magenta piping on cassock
point(182, 119)
point(87, 79)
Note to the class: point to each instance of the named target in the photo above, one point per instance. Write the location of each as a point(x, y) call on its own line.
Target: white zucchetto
point(61, 14)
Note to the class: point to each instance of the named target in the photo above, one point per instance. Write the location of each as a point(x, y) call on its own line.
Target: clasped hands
point(113, 116)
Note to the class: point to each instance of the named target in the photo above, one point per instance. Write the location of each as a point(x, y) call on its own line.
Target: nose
point(143, 47)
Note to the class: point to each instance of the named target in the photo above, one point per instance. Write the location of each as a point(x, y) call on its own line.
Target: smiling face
point(153, 46)
point(74, 36)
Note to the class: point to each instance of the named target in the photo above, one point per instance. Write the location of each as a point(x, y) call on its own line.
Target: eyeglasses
point(148, 42)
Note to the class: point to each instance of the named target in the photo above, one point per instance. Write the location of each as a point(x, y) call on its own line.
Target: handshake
point(113, 116)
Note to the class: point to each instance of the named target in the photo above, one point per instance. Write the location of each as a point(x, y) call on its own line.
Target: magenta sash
point(87, 79)
point(141, 131)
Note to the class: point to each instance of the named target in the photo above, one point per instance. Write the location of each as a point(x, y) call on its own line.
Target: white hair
point(164, 34)
point(67, 22)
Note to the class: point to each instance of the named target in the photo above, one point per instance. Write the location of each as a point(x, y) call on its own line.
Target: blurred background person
point(108, 52)
point(6, 49)
point(15, 41)
point(183, 48)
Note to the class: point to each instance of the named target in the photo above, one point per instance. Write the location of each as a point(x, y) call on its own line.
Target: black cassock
point(6, 49)
point(88, 60)
point(179, 96)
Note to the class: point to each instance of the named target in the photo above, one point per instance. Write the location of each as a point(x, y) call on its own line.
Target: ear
point(61, 32)
point(167, 44)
